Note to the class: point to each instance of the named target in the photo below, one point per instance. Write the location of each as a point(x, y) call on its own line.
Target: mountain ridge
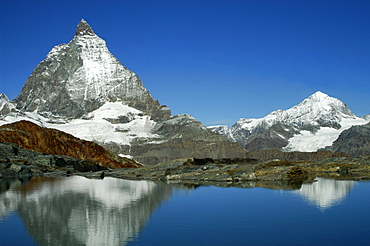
point(308, 126)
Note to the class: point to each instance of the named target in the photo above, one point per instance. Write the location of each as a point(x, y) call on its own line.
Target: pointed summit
point(83, 28)
point(81, 76)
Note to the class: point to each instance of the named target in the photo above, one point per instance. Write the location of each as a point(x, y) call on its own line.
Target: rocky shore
point(241, 171)
point(18, 162)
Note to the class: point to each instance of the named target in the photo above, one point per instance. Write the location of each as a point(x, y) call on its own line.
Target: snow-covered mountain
point(79, 77)
point(82, 89)
point(313, 124)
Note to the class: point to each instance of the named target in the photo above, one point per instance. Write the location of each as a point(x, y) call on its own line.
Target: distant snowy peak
point(366, 117)
point(3, 99)
point(318, 110)
point(5, 105)
point(314, 108)
point(79, 77)
point(224, 131)
point(314, 123)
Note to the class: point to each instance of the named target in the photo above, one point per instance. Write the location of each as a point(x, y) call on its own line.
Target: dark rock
point(354, 141)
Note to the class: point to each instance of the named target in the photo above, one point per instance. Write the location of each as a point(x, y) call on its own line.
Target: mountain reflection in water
point(326, 193)
point(80, 211)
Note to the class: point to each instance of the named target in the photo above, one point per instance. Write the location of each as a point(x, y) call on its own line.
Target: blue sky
point(216, 60)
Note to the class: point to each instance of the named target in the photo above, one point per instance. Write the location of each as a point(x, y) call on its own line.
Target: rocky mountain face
point(5, 105)
point(313, 124)
point(354, 141)
point(79, 77)
point(44, 140)
point(82, 89)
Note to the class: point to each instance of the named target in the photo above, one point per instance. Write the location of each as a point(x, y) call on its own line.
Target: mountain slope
point(313, 124)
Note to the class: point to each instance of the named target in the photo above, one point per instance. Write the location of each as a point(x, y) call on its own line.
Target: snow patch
point(309, 142)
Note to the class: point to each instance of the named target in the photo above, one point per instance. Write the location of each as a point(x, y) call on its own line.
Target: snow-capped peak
point(312, 124)
point(79, 77)
point(322, 101)
point(318, 109)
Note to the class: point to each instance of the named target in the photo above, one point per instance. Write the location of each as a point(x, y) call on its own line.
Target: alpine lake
point(79, 211)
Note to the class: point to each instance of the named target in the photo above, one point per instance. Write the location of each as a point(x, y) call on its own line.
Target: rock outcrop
point(44, 140)
point(354, 141)
point(18, 162)
point(240, 172)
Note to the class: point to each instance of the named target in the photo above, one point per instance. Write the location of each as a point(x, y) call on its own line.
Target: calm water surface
point(80, 211)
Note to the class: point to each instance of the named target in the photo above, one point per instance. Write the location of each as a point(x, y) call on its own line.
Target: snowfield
point(309, 142)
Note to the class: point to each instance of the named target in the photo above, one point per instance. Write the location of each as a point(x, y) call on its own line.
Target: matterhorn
point(82, 89)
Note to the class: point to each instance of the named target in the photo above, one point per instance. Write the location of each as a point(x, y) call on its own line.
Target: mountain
point(354, 141)
point(80, 88)
point(313, 124)
point(79, 77)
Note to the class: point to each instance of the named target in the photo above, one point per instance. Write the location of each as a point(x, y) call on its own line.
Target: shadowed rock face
point(354, 141)
point(44, 140)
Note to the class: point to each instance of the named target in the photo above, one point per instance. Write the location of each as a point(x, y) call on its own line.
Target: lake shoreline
point(239, 171)
point(235, 171)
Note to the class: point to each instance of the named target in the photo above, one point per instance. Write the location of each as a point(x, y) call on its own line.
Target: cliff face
point(354, 141)
point(44, 140)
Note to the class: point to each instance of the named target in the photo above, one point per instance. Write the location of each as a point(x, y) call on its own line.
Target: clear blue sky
point(218, 60)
